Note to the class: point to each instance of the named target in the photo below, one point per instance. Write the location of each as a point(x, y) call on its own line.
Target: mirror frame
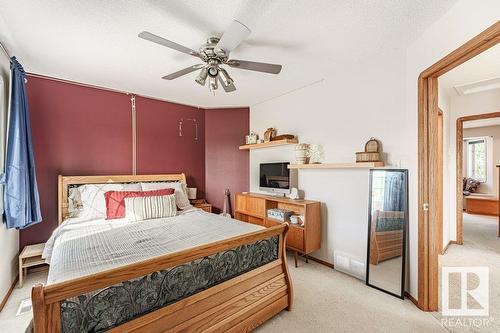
point(405, 230)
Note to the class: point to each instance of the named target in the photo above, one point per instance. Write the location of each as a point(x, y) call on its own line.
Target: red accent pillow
point(115, 200)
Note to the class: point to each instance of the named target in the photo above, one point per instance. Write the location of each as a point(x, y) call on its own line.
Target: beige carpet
point(325, 301)
point(330, 301)
point(9, 322)
point(481, 248)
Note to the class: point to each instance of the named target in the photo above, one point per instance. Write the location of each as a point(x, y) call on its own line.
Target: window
point(378, 186)
point(476, 159)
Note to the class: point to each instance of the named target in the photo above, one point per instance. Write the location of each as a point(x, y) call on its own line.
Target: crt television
point(276, 177)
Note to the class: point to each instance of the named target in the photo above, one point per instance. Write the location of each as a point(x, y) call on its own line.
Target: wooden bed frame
point(384, 245)
point(236, 305)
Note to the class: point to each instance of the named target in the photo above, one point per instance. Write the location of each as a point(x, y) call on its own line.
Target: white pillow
point(92, 197)
point(152, 207)
point(181, 198)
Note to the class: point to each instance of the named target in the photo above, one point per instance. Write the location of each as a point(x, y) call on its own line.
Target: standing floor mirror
point(387, 225)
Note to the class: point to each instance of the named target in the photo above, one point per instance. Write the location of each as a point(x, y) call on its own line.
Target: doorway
point(461, 173)
point(428, 156)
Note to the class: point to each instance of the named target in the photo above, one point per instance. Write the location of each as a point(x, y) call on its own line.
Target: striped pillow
point(152, 207)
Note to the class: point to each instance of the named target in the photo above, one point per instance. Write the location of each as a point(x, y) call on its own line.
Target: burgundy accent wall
point(79, 130)
point(225, 165)
point(76, 131)
point(160, 149)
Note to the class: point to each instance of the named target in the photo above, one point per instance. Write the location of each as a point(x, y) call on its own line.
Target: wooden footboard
point(238, 304)
point(385, 245)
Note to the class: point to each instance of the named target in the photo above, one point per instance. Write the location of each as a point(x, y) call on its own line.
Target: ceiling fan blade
point(168, 43)
point(234, 35)
point(229, 88)
point(255, 66)
point(182, 72)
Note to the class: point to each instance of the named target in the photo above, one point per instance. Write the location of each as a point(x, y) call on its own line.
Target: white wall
point(9, 239)
point(462, 22)
point(340, 113)
point(375, 98)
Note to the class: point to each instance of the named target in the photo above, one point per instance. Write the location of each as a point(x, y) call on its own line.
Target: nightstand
point(30, 256)
point(202, 204)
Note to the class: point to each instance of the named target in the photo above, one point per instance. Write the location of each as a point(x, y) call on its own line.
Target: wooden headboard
point(64, 182)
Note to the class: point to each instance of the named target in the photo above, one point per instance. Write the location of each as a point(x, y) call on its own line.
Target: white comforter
point(80, 247)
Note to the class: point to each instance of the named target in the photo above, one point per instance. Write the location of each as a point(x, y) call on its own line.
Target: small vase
point(301, 153)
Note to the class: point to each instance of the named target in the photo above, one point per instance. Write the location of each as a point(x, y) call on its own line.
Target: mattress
point(80, 247)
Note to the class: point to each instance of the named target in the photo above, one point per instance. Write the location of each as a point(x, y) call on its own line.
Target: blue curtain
point(394, 192)
point(21, 200)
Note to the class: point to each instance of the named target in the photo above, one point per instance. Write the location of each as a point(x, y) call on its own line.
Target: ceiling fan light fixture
point(213, 71)
point(202, 77)
point(213, 83)
point(226, 79)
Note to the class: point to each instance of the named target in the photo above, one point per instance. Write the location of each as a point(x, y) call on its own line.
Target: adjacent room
point(249, 165)
point(469, 104)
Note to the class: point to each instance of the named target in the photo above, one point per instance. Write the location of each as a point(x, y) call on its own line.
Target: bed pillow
point(181, 198)
point(93, 201)
point(470, 185)
point(75, 205)
point(115, 200)
point(151, 207)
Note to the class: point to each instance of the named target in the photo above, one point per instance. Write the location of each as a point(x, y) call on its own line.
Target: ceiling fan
point(214, 54)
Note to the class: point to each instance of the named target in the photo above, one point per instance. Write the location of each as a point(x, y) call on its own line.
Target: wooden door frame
point(428, 165)
point(460, 166)
point(440, 178)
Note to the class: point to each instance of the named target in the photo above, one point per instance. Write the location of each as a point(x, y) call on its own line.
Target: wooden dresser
point(252, 208)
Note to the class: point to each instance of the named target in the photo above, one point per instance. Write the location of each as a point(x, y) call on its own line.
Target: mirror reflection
point(388, 214)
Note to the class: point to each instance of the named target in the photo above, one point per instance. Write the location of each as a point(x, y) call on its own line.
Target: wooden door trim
point(460, 167)
point(427, 161)
point(441, 180)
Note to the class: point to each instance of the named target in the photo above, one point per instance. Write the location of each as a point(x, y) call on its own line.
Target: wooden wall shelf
point(270, 144)
point(361, 165)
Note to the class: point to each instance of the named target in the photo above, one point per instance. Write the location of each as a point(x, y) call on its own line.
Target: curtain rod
point(40, 76)
point(5, 50)
point(105, 89)
point(126, 92)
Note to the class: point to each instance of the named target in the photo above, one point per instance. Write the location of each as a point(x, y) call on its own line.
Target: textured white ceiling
point(482, 67)
point(96, 41)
